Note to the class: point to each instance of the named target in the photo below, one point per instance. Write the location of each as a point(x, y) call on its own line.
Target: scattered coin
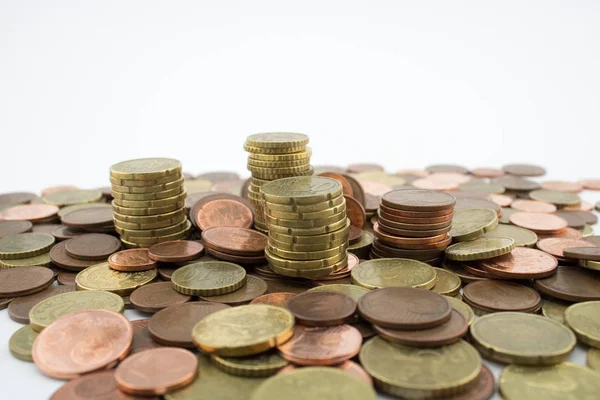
point(494, 296)
point(562, 186)
point(447, 283)
point(59, 256)
point(141, 337)
point(25, 245)
point(154, 297)
point(322, 308)
point(17, 282)
point(9, 228)
point(102, 277)
point(92, 246)
point(524, 170)
point(214, 211)
point(21, 342)
point(521, 263)
point(18, 309)
point(471, 224)
point(260, 365)
point(571, 284)
point(533, 206)
point(582, 318)
point(132, 260)
point(254, 287)
point(30, 212)
point(208, 278)
point(386, 272)
point(480, 249)
point(555, 309)
point(559, 199)
point(176, 251)
point(557, 246)
point(521, 236)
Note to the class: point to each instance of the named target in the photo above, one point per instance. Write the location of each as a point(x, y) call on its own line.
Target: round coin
point(156, 296)
point(583, 253)
point(59, 256)
point(215, 211)
point(418, 200)
point(521, 263)
point(583, 319)
point(30, 212)
point(88, 217)
point(92, 246)
point(71, 197)
point(208, 278)
point(302, 190)
point(277, 140)
point(145, 168)
point(237, 241)
point(493, 295)
point(102, 277)
point(16, 282)
point(386, 272)
point(279, 299)
point(265, 364)
point(141, 336)
point(132, 260)
point(521, 236)
point(533, 206)
point(253, 288)
point(25, 245)
point(472, 223)
point(18, 309)
point(555, 309)
point(9, 228)
point(571, 284)
point(175, 251)
point(322, 308)
point(556, 246)
point(523, 170)
point(447, 283)
point(21, 342)
point(480, 249)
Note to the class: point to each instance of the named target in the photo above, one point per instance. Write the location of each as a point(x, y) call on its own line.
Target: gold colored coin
point(587, 231)
point(255, 163)
point(463, 308)
point(593, 359)
point(68, 209)
point(177, 184)
point(447, 284)
point(307, 255)
point(278, 151)
point(595, 265)
point(306, 273)
point(315, 383)
point(482, 186)
point(71, 197)
point(197, 185)
point(411, 372)
point(43, 260)
point(148, 210)
point(334, 236)
point(146, 182)
point(145, 168)
point(382, 178)
point(301, 155)
point(165, 194)
point(388, 272)
point(353, 291)
point(362, 247)
point(318, 230)
point(25, 245)
point(265, 364)
point(129, 234)
point(299, 247)
point(472, 223)
point(562, 381)
point(311, 216)
point(149, 241)
point(303, 264)
point(281, 175)
point(301, 190)
point(277, 140)
point(243, 330)
point(584, 320)
point(521, 338)
point(308, 223)
point(149, 219)
point(102, 277)
point(150, 225)
point(21, 342)
point(521, 236)
point(310, 208)
point(151, 203)
point(555, 309)
point(208, 278)
point(555, 197)
point(49, 310)
point(480, 249)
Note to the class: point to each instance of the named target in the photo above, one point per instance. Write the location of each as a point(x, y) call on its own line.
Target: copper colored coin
point(66, 278)
point(89, 217)
point(141, 337)
point(220, 210)
point(468, 203)
point(562, 186)
point(385, 227)
point(569, 233)
point(236, 259)
point(479, 272)
point(590, 184)
point(346, 187)
point(516, 183)
point(571, 283)
point(82, 342)
point(583, 253)
point(595, 240)
point(322, 308)
point(18, 309)
point(17, 198)
point(8, 228)
point(154, 297)
point(388, 251)
point(17, 282)
point(176, 251)
point(64, 232)
point(533, 206)
point(418, 200)
point(524, 170)
point(60, 257)
point(273, 299)
point(412, 220)
point(556, 246)
point(44, 228)
point(487, 172)
point(589, 217)
point(458, 269)
point(131, 260)
point(447, 168)
point(95, 386)
point(321, 345)
point(58, 188)
point(539, 222)
point(354, 235)
point(173, 325)
point(30, 212)
point(253, 288)
point(449, 332)
point(521, 263)
point(573, 219)
point(502, 200)
point(482, 389)
point(364, 167)
point(355, 212)
point(494, 296)
point(236, 241)
point(219, 176)
point(417, 214)
point(166, 270)
point(92, 246)
point(156, 371)
point(404, 308)
point(358, 192)
point(349, 366)
point(433, 242)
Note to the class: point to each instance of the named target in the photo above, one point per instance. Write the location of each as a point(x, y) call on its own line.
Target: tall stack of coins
point(274, 155)
point(149, 201)
point(414, 224)
point(308, 227)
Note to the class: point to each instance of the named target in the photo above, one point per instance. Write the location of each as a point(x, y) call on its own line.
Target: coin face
point(208, 278)
point(8, 228)
point(418, 200)
point(386, 272)
point(154, 297)
point(25, 245)
point(583, 319)
point(277, 140)
point(18, 309)
point(145, 168)
point(322, 308)
point(21, 343)
point(472, 223)
point(131, 260)
point(557, 246)
point(176, 251)
point(493, 295)
point(222, 212)
point(29, 212)
point(253, 288)
point(521, 263)
point(238, 241)
point(71, 197)
point(17, 282)
point(92, 246)
point(265, 364)
point(301, 190)
point(102, 277)
point(521, 236)
point(480, 249)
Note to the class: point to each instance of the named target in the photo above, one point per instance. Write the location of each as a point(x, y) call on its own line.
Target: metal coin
point(571, 284)
point(102, 277)
point(254, 288)
point(18, 282)
point(523, 170)
point(556, 246)
point(322, 308)
point(480, 249)
point(132, 260)
point(92, 246)
point(418, 200)
point(145, 168)
point(557, 198)
point(521, 263)
point(521, 236)
point(25, 245)
point(59, 256)
point(18, 309)
point(70, 197)
point(472, 223)
point(386, 272)
point(208, 278)
point(154, 297)
point(555, 309)
point(141, 337)
point(234, 240)
point(493, 296)
point(447, 283)
point(278, 299)
point(583, 319)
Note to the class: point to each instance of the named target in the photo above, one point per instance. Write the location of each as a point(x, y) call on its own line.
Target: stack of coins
point(414, 224)
point(308, 227)
point(274, 155)
point(149, 201)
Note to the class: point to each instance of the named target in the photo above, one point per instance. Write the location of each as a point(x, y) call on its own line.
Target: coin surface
point(141, 337)
point(524, 170)
point(279, 299)
point(208, 278)
point(154, 297)
point(71, 197)
point(492, 296)
point(521, 236)
point(353, 291)
point(322, 308)
point(527, 339)
point(238, 241)
point(175, 251)
point(521, 263)
point(215, 211)
point(88, 217)
point(8, 228)
point(132, 260)
point(25, 245)
point(30, 212)
point(301, 190)
point(557, 198)
point(21, 343)
point(533, 206)
point(92, 246)
point(386, 272)
point(59, 256)
point(418, 200)
point(447, 283)
point(583, 253)
point(480, 249)
point(102, 277)
point(556, 246)
point(145, 168)
point(583, 319)
point(463, 308)
point(472, 223)
point(571, 284)
point(16, 282)
point(593, 359)
point(253, 288)
point(555, 309)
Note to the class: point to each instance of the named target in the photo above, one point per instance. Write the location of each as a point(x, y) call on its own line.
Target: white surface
point(405, 84)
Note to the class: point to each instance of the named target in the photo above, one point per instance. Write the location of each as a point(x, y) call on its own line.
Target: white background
point(85, 84)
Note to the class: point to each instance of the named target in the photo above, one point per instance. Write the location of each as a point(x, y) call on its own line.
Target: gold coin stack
point(308, 228)
point(149, 201)
point(274, 155)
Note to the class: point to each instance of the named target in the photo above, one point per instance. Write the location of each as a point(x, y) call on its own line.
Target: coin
point(29, 212)
point(260, 365)
point(494, 296)
point(155, 203)
point(520, 338)
point(253, 288)
point(133, 260)
point(102, 277)
point(140, 189)
point(18, 309)
point(582, 318)
point(555, 309)
point(277, 140)
point(21, 342)
point(533, 206)
point(176, 251)
point(279, 299)
point(70, 197)
point(480, 249)
point(521, 263)
point(92, 246)
point(583, 253)
point(301, 190)
point(59, 256)
point(237, 241)
point(562, 186)
point(571, 284)
point(427, 242)
point(447, 283)
point(96, 386)
point(141, 337)
point(18, 282)
point(208, 278)
point(25, 245)
point(556, 246)
point(214, 211)
point(573, 219)
point(322, 308)
point(472, 223)
point(524, 170)
point(418, 200)
point(353, 291)
point(145, 168)
point(386, 272)
point(482, 186)
point(154, 297)
point(66, 278)
point(593, 359)
point(468, 203)
point(502, 200)
point(464, 309)
point(17, 198)
point(555, 197)
point(521, 236)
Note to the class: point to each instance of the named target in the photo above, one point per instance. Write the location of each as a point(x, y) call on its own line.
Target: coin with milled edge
point(145, 168)
point(253, 288)
point(521, 236)
point(472, 223)
point(521, 263)
point(21, 343)
point(480, 249)
point(583, 319)
point(386, 272)
point(18, 309)
point(208, 278)
point(301, 190)
point(102, 277)
point(25, 245)
point(277, 140)
point(571, 283)
point(447, 283)
point(16, 282)
point(260, 365)
point(463, 308)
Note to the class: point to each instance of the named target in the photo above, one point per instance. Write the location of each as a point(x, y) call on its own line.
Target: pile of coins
point(149, 201)
point(272, 156)
point(308, 227)
point(414, 224)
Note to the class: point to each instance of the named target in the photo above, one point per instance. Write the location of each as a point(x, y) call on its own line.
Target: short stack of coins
point(414, 224)
point(149, 201)
point(308, 227)
point(274, 155)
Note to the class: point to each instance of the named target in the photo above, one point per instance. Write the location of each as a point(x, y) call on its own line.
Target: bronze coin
point(394, 252)
point(156, 371)
point(516, 183)
point(17, 282)
point(469, 203)
point(447, 168)
point(89, 217)
point(236, 259)
point(385, 227)
point(30, 212)
point(92, 246)
point(66, 278)
point(15, 198)
point(322, 308)
point(595, 240)
point(562, 186)
point(471, 194)
point(58, 188)
point(236, 241)
point(482, 389)
point(569, 233)
point(364, 167)
point(354, 235)
point(346, 187)
point(521, 263)
point(495, 296)
point(176, 251)
point(321, 345)
point(413, 220)
point(589, 184)
point(64, 232)
point(502, 200)
point(372, 202)
point(583, 253)
point(63, 350)
point(273, 299)
point(5, 302)
point(166, 270)
point(539, 222)
point(355, 212)
point(434, 242)
point(533, 206)
point(479, 272)
point(588, 217)
point(556, 246)
point(219, 176)
point(253, 288)
point(60, 257)
point(18, 309)
point(95, 386)
point(418, 200)
point(523, 170)
point(574, 220)
point(449, 332)
point(487, 172)
point(8, 228)
point(141, 337)
point(222, 210)
point(436, 184)
point(173, 325)
point(404, 308)
point(571, 283)
point(154, 297)
point(417, 214)
point(358, 191)
point(131, 260)
point(458, 269)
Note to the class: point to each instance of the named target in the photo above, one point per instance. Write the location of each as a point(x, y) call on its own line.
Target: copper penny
point(8, 228)
point(95, 386)
point(82, 342)
point(58, 188)
point(449, 332)
point(595, 240)
point(386, 227)
point(17, 282)
point(131, 260)
point(30, 212)
point(173, 325)
point(502, 200)
point(573, 218)
point(236, 241)
point(358, 191)
point(321, 345)
point(274, 299)
point(469, 203)
point(346, 187)
point(404, 308)
point(533, 206)
point(92, 246)
point(364, 167)
point(354, 235)
point(487, 172)
point(220, 210)
point(166, 270)
point(288, 286)
point(141, 337)
point(154, 297)
point(571, 283)
point(253, 288)
point(516, 183)
point(18, 309)
point(590, 184)
point(524, 170)
point(459, 270)
point(539, 222)
point(376, 188)
point(447, 168)
point(413, 220)
point(562, 186)
point(556, 246)
point(494, 296)
point(589, 217)
point(219, 176)
point(569, 233)
point(17, 198)
point(583, 253)
point(416, 214)
point(89, 217)
point(435, 184)
point(176, 251)
point(482, 389)
point(355, 212)
point(521, 263)
point(438, 241)
point(60, 257)
point(479, 272)
point(66, 278)
point(64, 232)
point(322, 308)
point(156, 371)
point(236, 259)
